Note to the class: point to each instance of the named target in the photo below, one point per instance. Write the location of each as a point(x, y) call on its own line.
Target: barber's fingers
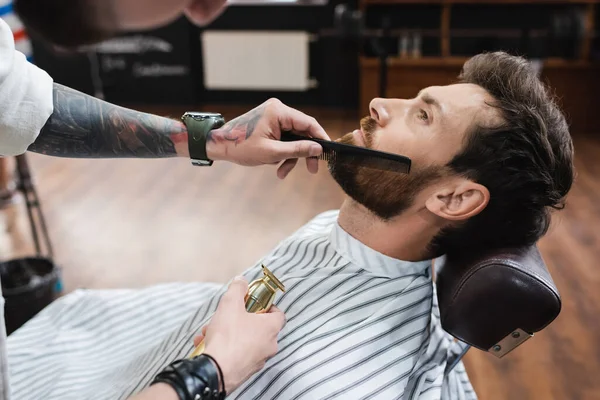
point(285, 168)
point(291, 119)
point(274, 310)
point(312, 164)
point(279, 151)
point(275, 318)
point(200, 337)
point(236, 292)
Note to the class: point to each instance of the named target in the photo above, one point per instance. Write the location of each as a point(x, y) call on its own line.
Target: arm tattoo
point(82, 126)
point(238, 129)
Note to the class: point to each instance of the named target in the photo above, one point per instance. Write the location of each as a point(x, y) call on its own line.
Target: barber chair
point(496, 301)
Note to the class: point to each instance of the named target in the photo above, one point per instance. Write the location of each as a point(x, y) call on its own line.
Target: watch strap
point(199, 126)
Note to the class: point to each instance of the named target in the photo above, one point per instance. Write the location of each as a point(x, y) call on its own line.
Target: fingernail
point(238, 278)
point(314, 150)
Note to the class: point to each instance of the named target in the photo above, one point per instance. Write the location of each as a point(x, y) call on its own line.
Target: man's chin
point(383, 195)
point(346, 177)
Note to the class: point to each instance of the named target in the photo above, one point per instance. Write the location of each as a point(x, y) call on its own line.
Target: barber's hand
point(254, 138)
point(240, 341)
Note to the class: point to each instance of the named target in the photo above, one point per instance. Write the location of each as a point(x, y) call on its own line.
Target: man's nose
point(379, 111)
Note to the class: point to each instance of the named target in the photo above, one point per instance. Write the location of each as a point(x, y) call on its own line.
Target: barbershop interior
point(441, 245)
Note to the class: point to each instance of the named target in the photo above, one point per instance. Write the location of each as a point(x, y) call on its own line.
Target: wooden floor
point(131, 223)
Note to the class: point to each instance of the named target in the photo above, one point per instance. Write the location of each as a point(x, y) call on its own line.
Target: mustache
point(368, 125)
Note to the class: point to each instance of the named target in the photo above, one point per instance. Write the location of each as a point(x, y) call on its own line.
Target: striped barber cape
point(360, 325)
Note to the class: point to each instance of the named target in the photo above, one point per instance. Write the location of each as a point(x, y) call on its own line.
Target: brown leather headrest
point(496, 301)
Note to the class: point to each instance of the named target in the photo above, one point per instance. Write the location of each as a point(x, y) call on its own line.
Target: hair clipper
point(260, 297)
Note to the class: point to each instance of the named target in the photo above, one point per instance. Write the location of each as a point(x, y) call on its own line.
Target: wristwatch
point(198, 125)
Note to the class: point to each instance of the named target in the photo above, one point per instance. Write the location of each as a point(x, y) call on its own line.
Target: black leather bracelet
point(221, 377)
point(194, 379)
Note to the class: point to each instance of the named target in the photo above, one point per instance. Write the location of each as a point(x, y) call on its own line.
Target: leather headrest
point(492, 301)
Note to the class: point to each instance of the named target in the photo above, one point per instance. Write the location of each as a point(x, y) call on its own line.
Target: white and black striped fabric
point(360, 325)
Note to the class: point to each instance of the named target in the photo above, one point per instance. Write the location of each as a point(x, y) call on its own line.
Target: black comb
point(348, 154)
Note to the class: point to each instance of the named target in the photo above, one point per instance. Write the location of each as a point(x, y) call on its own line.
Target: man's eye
point(423, 115)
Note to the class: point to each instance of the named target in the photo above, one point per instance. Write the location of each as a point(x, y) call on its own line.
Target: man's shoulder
point(320, 224)
point(324, 218)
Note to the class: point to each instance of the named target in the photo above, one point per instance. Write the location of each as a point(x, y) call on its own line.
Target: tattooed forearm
point(239, 129)
point(85, 127)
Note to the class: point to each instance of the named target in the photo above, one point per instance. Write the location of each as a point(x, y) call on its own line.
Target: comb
point(348, 154)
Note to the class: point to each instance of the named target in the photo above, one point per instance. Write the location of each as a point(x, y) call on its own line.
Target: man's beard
point(385, 193)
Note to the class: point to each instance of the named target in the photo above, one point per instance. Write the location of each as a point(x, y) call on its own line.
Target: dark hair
point(65, 23)
point(526, 163)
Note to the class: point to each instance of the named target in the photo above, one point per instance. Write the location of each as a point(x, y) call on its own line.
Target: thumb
point(301, 149)
point(237, 290)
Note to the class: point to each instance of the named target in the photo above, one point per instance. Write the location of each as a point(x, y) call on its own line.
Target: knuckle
point(273, 102)
point(272, 152)
point(227, 298)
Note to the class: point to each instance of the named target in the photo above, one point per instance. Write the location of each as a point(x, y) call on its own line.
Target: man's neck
point(405, 237)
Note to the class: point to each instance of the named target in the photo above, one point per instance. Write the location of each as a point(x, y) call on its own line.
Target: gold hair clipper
point(259, 298)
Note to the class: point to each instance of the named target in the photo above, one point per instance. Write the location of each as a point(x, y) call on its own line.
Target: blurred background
point(132, 223)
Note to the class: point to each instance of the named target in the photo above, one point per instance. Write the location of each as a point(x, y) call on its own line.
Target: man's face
point(430, 129)
point(147, 14)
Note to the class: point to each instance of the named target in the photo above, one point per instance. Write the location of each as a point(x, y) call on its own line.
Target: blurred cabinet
point(166, 67)
point(151, 67)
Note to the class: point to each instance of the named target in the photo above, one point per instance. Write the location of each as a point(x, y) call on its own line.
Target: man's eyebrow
point(427, 99)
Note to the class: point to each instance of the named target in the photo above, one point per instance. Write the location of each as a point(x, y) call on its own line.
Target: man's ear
point(458, 201)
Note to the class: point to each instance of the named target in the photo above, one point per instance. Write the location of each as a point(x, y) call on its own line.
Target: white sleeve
point(25, 97)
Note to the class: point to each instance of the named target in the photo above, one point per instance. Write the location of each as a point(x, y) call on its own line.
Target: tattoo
point(238, 129)
point(82, 126)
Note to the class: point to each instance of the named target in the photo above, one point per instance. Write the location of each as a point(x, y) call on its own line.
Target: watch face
point(202, 115)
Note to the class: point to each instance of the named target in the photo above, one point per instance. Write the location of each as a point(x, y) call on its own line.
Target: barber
point(39, 115)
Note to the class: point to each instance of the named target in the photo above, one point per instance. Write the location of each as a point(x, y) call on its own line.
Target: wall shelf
point(575, 78)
